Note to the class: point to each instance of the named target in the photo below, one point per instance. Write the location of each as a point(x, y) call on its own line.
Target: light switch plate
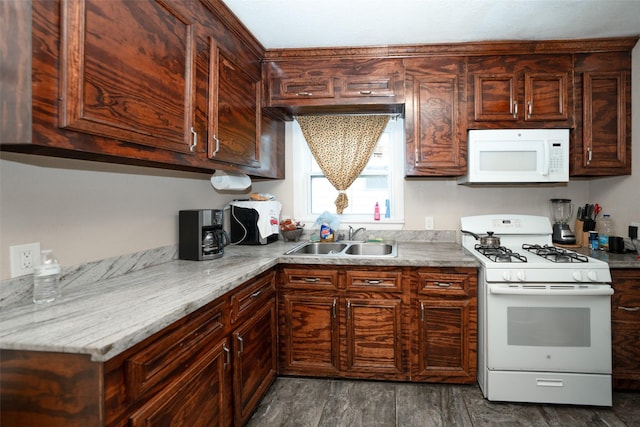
point(428, 223)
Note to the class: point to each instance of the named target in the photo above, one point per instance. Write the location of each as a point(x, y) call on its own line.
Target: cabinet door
point(495, 97)
point(309, 334)
point(545, 96)
point(198, 399)
point(443, 347)
point(127, 72)
point(625, 328)
point(234, 111)
point(603, 135)
point(373, 341)
point(435, 117)
point(254, 361)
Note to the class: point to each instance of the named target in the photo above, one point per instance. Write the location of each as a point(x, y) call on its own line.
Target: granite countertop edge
point(107, 317)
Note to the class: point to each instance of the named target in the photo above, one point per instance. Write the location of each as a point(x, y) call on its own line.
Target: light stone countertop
point(106, 317)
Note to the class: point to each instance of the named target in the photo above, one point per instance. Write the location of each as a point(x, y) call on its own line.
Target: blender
point(561, 210)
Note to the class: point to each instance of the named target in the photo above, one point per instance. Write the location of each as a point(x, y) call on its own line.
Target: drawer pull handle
point(304, 94)
point(311, 279)
point(241, 342)
point(444, 285)
point(366, 92)
point(374, 282)
point(227, 356)
point(256, 294)
point(628, 308)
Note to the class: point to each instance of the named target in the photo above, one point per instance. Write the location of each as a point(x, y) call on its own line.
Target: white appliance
point(544, 315)
point(517, 156)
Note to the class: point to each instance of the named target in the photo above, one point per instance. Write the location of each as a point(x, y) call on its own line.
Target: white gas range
point(544, 314)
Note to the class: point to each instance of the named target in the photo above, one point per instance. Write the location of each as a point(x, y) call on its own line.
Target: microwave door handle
point(547, 292)
point(547, 159)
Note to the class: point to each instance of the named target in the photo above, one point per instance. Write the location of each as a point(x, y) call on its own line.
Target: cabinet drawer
point(446, 284)
point(174, 351)
point(388, 281)
point(251, 298)
point(368, 86)
point(625, 306)
point(301, 89)
point(310, 278)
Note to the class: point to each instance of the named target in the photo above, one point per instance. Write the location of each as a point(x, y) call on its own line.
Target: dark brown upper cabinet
point(435, 116)
point(528, 91)
point(601, 145)
point(335, 85)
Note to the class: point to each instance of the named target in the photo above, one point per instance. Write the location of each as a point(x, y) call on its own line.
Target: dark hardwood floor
point(304, 402)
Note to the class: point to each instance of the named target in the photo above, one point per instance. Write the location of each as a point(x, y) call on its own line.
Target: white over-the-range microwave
point(517, 156)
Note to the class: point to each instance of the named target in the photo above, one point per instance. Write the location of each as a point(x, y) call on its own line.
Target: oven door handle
point(547, 292)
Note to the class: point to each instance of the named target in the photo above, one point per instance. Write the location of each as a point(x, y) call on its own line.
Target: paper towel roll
point(221, 180)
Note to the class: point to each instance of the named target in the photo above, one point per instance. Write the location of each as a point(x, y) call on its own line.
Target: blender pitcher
point(561, 210)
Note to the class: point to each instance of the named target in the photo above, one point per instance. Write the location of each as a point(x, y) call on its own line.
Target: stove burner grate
point(555, 254)
point(500, 254)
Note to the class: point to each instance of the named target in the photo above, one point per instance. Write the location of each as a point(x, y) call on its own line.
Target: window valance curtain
point(342, 146)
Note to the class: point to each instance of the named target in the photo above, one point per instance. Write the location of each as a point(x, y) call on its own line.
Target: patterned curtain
point(342, 146)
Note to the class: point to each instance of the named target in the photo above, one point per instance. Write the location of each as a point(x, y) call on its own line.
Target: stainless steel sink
point(370, 249)
point(317, 248)
point(347, 249)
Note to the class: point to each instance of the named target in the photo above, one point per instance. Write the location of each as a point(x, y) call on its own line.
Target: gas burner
point(500, 254)
point(555, 254)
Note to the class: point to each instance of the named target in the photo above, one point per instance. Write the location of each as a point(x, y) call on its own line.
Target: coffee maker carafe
point(201, 234)
point(561, 210)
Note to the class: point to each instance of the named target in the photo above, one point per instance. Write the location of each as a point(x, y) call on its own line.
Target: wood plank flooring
point(304, 402)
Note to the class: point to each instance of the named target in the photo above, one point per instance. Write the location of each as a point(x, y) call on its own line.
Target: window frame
point(302, 182)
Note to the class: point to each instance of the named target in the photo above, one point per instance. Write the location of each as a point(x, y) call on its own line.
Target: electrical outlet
point(24, 258)
point(428, 223)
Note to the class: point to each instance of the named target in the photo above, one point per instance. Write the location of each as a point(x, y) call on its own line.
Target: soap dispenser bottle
point(376, 212)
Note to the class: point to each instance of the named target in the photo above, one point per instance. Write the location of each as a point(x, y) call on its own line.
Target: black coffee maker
point(201, 234)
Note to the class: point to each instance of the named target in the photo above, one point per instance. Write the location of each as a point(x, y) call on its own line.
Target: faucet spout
point(352, 232)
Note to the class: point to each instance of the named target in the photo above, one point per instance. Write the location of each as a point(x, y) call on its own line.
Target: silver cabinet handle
point(366, 92)
point(515, 109)
point(311, 279)
point(304, 94)
point(444, 285)
point(333, 308)
point(348, 309)
point(241, 342)
point(256, 294)
point(422, 311)
point(374, 282)
point(215, 138)
point(530, 105)
point(628, 308)
point(194, 139)
point(227, 355)
point(589, 155)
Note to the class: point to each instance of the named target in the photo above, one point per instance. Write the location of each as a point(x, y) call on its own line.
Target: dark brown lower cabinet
point(254, 361)
point(210, 368)
point(359, 322)
point(625, 328)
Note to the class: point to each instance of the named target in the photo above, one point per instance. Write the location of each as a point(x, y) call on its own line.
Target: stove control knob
point(506, 275)
point(521, 276)
point(593, 276)
point(577, 276)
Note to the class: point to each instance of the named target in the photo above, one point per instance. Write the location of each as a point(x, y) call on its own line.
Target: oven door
point(549, 328)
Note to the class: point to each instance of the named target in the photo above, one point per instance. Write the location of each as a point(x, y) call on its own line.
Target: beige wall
point(89, 211)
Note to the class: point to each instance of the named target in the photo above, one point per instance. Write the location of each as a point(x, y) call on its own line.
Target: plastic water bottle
point(605, 229)
point(46, 278)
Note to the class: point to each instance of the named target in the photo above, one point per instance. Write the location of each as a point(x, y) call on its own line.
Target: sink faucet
point(352, 233)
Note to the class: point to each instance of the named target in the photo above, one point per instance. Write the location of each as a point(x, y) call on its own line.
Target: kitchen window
point(381, 180)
